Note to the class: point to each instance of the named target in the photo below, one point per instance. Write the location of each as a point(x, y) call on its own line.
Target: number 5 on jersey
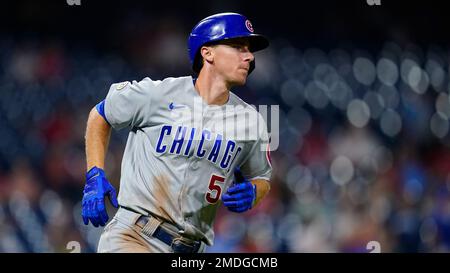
point(214, 189)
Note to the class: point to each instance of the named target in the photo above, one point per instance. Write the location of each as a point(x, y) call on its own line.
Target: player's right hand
point(93, 203)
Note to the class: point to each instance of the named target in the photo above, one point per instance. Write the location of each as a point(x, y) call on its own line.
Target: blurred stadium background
point(364, 124)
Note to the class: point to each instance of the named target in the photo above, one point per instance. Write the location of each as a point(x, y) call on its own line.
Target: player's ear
point(207, 53)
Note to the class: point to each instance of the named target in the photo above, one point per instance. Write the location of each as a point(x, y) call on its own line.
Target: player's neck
point(213, 90)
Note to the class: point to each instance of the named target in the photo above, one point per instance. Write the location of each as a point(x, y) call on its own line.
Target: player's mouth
point(244, 68)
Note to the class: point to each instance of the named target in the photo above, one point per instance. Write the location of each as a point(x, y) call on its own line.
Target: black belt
point(177, 243)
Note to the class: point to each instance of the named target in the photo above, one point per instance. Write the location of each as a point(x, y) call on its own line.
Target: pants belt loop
point(151, 226)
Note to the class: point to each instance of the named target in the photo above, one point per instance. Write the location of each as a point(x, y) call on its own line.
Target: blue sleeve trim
point(101, 110)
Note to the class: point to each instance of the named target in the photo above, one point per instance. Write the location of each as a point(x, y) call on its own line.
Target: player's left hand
point(241, 195)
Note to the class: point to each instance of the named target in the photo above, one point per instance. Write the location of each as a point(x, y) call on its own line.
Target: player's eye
point(235, 46)
point(239, 47)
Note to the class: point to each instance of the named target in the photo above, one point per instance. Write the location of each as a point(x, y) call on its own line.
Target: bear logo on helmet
point(249, 26)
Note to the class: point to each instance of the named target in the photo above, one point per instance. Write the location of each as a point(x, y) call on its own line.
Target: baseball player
point(190, 147)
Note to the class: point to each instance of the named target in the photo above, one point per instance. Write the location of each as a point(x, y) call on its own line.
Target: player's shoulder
point(143, 84)
point(171, 81)
point(148, 81)
point(171, 85)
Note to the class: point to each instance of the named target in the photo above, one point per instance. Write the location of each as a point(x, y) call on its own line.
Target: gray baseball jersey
point(181, 152)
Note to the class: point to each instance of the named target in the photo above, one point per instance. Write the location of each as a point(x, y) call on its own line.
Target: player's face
point(232, 60)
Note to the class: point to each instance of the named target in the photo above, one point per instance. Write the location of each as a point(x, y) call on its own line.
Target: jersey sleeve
point(128, 103)
point(258, 163)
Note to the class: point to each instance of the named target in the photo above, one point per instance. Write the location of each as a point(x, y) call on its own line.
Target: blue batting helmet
point(222, 26)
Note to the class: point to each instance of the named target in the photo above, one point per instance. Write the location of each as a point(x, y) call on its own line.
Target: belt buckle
point(148, 224)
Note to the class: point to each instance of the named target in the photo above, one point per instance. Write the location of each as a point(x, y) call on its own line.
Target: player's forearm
point(98, 132)
point(262, 188)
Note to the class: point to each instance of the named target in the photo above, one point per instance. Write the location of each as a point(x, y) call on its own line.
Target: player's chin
point(238, 82)
point(241, 78)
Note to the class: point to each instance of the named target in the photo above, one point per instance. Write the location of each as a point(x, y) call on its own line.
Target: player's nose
point(248, 56)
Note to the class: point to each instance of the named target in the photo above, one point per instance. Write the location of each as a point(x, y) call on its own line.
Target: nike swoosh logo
point(174, 106)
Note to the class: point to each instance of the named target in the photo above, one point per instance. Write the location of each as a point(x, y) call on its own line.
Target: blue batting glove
point(95, 190)
point(241, 195)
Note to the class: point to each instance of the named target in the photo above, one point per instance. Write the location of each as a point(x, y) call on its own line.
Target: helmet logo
point(249, 26)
